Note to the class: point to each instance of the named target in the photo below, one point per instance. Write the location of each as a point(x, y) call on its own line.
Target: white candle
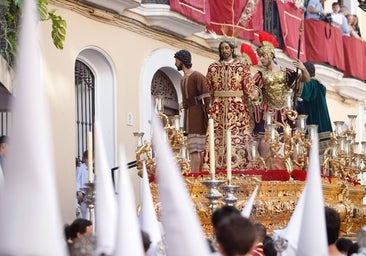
point(212, 147)
point(228, 154)
point(90, 155)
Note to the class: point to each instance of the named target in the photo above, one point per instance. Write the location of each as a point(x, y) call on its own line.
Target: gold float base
point(276, 200)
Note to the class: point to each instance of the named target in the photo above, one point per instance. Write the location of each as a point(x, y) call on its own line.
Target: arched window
point(85, 105)
point(161, 85)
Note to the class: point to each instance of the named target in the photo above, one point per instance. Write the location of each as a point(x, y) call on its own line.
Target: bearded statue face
point(226, 50)
point(178, 64)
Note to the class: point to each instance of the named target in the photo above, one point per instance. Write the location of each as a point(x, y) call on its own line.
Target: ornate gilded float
point(279, 189)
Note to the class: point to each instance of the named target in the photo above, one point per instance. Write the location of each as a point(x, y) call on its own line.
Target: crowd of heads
point(79, 237)
point(82, 241)
point(347, 22)
point(236, 235)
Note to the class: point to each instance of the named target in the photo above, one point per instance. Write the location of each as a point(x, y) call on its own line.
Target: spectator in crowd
point(196, 100)
point(232, 88)
point(3, 149)
point(353, 250)
point(268, 247)
point(78, 228)
point(235, 236)
point(315, 9)
point(86, 245)
point(261, 232)
point(222, 213)
point(217, 216)
point(343, 245)
point(333, 225)
point(82, 177)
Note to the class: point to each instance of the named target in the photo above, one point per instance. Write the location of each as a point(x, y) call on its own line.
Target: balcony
point(160, 17)
point(117, 6)
point(339, 60)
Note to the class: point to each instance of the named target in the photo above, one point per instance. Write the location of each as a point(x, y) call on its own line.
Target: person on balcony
point(345, 27)
point(315, 10)
point(232, 89)
point(196, 100)
point(337, 17)
point(351, 22)
point(355, 25)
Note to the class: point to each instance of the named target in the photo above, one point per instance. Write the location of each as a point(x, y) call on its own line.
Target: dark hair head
point(333, 223)
point(310, 68)
point(343, 244)
point(3, 139)
point(268, 248)
point(185, 57)
point(335, 3)
point(232, 46)
point(236, 235)
point(85, 155)
point(77, 226)
point(82, 224)
point(261, 231)
point(221, 213)
point(353, 249)
point(70, 232)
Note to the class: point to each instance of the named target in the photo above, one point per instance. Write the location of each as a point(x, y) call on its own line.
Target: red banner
point(354, 57)
point(197, 10)
point(236, 18)
point(233, 18)
point(324, 43)
point(291, 18)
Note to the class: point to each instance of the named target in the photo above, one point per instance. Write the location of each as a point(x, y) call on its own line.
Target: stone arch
point(105, 86)
point(159, 66)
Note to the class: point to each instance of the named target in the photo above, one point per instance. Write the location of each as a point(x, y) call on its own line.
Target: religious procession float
point(278, 190)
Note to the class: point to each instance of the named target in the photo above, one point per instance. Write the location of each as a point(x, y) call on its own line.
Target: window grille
point(84, 104)
point(272, 20)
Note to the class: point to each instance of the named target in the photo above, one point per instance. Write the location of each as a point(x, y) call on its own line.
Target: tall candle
point(212, 147)
point(228, 154)
point(90, 156)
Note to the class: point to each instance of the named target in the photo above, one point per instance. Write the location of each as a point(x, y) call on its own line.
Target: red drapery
point(291, 18)
point(320, 42)
point(224, 17)
point(323, 43)
point(354, 57)
point(197, 10)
